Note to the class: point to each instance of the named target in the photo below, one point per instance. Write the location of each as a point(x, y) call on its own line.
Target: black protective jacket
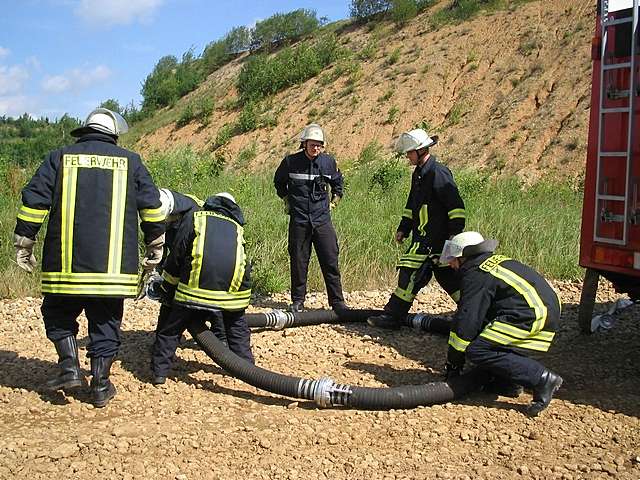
point(207, 267)
point(433, 213)
point(505, 302)
point(309, 186)
point(93, 191)
point(182, 204)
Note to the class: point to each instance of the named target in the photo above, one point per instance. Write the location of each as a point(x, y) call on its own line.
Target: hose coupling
point(328, 393)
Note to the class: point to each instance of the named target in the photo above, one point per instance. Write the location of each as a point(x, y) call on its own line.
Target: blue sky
point(67, 56)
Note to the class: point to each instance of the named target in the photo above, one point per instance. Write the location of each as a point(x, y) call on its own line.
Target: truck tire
point(588, 299)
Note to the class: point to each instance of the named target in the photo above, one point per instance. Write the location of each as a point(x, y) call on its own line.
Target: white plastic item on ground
point(605, 321)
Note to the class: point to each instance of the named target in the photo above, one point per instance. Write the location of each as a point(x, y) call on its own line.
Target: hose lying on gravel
point(324, 391)
point(280, 319)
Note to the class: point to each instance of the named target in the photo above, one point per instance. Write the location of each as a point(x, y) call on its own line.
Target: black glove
point(166, 292)
point(455, 363)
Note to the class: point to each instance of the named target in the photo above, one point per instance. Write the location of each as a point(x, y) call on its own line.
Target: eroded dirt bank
point(204, 424)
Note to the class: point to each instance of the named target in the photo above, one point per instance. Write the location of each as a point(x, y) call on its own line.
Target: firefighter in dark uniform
point(206, 274)
point(434, 212)
point(506, 312)
point(310, 185)
point(175, 206)
point(93, 191)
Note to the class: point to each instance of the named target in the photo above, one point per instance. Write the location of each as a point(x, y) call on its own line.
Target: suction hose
point(326, 392)
point(280, 319)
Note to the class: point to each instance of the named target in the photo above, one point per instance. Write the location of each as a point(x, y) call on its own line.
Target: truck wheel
point(588, 299)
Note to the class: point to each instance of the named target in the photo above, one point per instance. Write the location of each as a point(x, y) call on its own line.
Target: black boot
point(543, 392)
point(69, 375)
point(102, 390)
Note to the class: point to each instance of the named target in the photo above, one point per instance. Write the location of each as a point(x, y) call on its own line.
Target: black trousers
point(411, 281)
point(325, 242)
point(504, 362)
point(171, 328)
point(60, 314)
point(215, 321)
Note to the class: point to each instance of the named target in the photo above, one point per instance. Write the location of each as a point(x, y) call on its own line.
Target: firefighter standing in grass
point(434, 212)
point(93, 191)
point(205, 274)
point(506, 312)
point(310, 184)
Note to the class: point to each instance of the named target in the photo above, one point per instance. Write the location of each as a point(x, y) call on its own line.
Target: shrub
point(186, 116)
point(364, 9)
point(387, 174)
point(403, 10)
point(394, 56)
point(283, 27)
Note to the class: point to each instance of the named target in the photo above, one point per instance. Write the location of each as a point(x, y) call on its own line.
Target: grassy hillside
point(505, 85)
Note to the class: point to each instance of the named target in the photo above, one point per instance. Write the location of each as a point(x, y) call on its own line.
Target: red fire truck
point(610, 235)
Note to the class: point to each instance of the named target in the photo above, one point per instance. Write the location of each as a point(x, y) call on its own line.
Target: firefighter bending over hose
point(206, 274)
point(507, 311)
point(433, 213)
point(93, 191)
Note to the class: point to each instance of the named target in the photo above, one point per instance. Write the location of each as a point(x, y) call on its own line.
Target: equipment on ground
point(610, 234)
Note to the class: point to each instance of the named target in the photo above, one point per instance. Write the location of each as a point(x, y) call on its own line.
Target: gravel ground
point(204, 424)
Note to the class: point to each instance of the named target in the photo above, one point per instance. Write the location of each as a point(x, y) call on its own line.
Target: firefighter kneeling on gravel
point(506, 312)
point(205, 274)
point(93, 191)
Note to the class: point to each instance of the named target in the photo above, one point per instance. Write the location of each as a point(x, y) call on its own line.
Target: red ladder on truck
point(605, 199)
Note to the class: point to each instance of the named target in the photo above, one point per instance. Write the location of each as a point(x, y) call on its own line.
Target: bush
point(403, 11)
point(388, 174)
point(186, 116)
point(364, 9)
point(283, 27)
point(262, 76)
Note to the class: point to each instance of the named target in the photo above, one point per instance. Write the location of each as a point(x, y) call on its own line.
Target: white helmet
point(313, 131)
point(226, 195)
point(466, 244)
point(414, 140)
point(167, 201)
point(102, 120)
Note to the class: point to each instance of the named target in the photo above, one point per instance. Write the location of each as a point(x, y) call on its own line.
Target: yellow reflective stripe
point(197, 250)
point(170, 278)
point(424, 218)
point(405, 295)
point(457, 213)
point(195, 199)
point(32, 215)
point(492, 262)
point(213, 294)
point(241, 262)
point(90, 277)
point(516, 332)
point(530, 344)
point(229, 303)
point(408, 264)
point(458, 343)
point(69, 185)
point(152, 215)
point(118, 208)
point(527, 291)
point(407, 213)
point(108, 290)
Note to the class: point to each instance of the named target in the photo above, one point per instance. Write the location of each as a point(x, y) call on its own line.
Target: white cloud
point(16, 105)
point(12, 79)
point(4, 52)
point(76, 79)
point(117, 12)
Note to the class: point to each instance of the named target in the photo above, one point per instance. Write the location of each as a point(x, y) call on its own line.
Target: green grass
point(538, 225)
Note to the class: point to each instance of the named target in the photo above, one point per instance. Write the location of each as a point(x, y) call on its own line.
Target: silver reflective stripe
point(306, 176)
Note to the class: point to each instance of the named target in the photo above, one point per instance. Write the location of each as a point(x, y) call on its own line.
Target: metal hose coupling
point(419, 321)
point(279, 319)
point(325, 392)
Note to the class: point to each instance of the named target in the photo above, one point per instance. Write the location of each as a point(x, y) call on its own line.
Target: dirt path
point(203, 424)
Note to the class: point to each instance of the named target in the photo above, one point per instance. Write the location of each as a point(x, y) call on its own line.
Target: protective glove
point(166, 292)
point(400, 236)
point(24, 252)
point(153, 255)
point(285, 206)
point(455, 363)
point(334, 201)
